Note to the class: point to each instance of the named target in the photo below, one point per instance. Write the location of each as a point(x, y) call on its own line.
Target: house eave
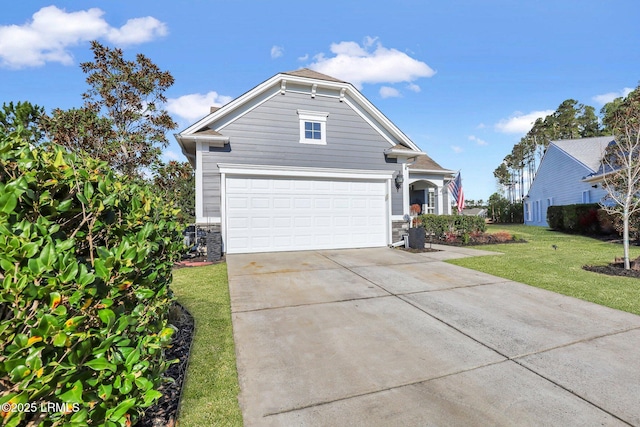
point(597, 178)
point(433, 171)
point(394, 153)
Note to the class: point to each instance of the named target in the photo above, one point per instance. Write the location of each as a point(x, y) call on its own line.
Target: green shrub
point(85, 264)
point(577, 218)
point(555, 217)
point(439, 225)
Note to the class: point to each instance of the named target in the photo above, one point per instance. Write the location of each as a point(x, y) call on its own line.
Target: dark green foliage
point(501, 210)
point(23, 117)
point(440, 225)
point(176, 183)
point(85, 264)
point(578, 218)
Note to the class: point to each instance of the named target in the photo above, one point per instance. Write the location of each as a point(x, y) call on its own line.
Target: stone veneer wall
point(398, 229)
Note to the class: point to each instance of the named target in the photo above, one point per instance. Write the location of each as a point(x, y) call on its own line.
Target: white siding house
point(559, 180)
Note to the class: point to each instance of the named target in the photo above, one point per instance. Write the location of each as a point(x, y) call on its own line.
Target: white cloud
point(478, 141)
point(51, 32)
point(610, 96)
point(369, 63)
point(277, 52)
point(195, 106)
point(304, 57)
point(519, 122)
point(413, 87)
point(389, 92)
point(456, 149)
point(137, 30)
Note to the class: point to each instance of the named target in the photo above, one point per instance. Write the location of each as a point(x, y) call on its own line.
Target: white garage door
point(285, 214)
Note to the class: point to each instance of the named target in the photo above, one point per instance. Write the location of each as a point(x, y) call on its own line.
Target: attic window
point(313, 127)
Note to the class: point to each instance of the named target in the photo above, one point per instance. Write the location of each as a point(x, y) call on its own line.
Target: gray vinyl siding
point(211, 193)
point(270, 134)
point(558, 182)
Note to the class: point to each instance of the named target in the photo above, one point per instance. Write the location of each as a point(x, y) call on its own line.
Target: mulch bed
point(165, 411)
point(415, 251)
point(198, 261)
point(612, 270)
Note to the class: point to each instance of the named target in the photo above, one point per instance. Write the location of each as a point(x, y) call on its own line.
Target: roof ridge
point(312, 74)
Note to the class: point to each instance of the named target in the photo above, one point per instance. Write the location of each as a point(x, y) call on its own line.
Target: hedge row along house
point(304, 161)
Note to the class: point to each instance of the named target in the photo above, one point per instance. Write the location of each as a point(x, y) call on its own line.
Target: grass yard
point(537, 263)
point(210, 394)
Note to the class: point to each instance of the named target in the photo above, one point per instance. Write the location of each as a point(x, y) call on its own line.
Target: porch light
point(399, 180)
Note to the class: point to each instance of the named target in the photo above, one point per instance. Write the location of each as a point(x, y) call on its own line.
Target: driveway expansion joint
point(381, 390)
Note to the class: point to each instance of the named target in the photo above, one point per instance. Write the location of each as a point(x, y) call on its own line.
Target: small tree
point(22, 117)
point(176, 183)
point(621, 164)
point(122, 121)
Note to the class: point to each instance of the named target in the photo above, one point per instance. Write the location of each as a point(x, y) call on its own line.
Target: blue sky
point(463, 79)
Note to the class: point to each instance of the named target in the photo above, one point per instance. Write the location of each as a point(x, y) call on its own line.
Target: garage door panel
point(282, 222)
point(281, 203)
point(238, 202)
point(278, 214)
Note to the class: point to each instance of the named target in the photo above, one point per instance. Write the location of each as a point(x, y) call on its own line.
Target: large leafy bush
point(578, 218)
point(439, 225)
point(85, 264)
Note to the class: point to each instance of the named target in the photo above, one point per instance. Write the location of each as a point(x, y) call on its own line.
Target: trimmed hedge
point(85, 264)
point(439, 225)
point(578, 218)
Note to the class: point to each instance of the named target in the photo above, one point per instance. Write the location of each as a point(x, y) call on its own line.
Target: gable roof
point(277, 84)
point(310, 74)
point(588, 151)
point(426, 163)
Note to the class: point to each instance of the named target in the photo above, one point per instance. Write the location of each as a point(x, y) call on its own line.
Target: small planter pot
point(417, 238)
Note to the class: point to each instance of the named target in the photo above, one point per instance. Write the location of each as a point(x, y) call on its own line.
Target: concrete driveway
point(384, 337)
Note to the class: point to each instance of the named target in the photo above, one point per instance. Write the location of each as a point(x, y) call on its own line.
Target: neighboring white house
point(561, 174)
point(304, 161)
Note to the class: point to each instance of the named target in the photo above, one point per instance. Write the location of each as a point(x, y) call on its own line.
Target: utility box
point(417, 237)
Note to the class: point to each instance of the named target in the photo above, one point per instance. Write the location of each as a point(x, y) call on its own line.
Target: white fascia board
point(599, 177)
point(432, 171)
point(373, 110)
point(205, 121)
point(278, 78)
point(395, 153)
point(212, 140)
point(262, 87)
point(304, 172)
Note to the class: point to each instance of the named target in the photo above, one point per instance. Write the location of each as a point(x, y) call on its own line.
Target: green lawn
point(536, 263)
point(210, 394)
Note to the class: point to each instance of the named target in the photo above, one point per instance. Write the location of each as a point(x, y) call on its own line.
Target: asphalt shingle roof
point(588, 151)
point(305, 72)
point(426, 163)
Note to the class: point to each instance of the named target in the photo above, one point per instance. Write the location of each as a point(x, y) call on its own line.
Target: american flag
point(455, 187)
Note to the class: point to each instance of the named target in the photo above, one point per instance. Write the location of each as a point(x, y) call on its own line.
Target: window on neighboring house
point(538, 213)
point(586, 196)
point(527, 211)
point(313, 127)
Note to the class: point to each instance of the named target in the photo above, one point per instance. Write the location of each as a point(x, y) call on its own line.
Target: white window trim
point(317, 117)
